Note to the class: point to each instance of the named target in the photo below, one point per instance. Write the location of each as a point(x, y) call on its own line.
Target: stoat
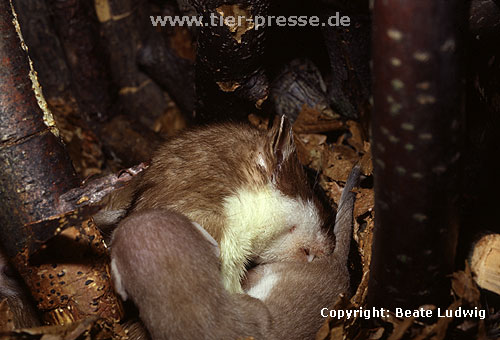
point(170, 270)
point(244, 186)
point(168, 266)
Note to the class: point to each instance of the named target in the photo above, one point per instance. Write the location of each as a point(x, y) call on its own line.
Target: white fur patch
point(208, 237)
point(265, 286)
point(260, 161)
point(258, 216)
point(117, 281)
point(257, 219)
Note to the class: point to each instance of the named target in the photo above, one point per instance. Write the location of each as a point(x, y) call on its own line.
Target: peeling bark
point(54, 75)
point(229, 80)
point(299, 83)
point(44, 46)
point(34, 173)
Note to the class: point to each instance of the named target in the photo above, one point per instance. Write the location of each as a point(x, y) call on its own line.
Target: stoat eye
point(292, 229)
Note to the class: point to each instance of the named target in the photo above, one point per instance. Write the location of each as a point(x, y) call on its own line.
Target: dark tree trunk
point(230, 82)
point(49, 60)
point(417, 139)
point(172, 72)
point(123, 33)
point(349, 53)
point(78, 30)
point(44, 46)
point(481, 182)
point(70, 282)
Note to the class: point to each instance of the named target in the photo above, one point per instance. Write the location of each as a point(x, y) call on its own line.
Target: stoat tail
point(344, 218)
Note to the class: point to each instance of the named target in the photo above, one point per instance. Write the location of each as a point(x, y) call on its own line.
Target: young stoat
point(169, 267)
point(244, 186)
point(170, 270)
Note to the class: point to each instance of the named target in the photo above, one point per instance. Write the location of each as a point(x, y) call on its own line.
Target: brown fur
point(193, 172)
point(302, 290)
point(171, 273)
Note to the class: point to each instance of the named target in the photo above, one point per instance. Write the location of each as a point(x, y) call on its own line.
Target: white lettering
point(323, 310)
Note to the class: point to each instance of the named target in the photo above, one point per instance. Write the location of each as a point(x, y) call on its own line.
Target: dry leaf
point(339, 162)
point(356, 140)
point(311, 120)
point(259, 122)
point(365, 202)
point(6, 317)
point(464, 286)
point(376, 333)
point(310, 149)
point(400, 329)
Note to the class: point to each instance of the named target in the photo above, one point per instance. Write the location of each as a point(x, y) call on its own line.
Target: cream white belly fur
point(255, 218)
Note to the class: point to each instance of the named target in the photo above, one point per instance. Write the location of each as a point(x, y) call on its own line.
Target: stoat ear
point(281, 139)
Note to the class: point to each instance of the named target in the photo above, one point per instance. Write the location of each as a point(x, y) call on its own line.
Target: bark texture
point(417, 139)
point(123, 29)
point(230, 82)
point(35, 172)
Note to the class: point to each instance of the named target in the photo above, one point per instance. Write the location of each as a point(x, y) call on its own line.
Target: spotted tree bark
point(417, 132)
point(229, 79)
point(71, 281)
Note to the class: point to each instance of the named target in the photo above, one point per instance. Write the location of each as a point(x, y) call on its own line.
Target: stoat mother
point(244, 186)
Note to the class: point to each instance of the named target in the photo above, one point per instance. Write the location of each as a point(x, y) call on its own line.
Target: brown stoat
point(13, 292)
point(170, 271)
point(244, 186)
point(169, 268)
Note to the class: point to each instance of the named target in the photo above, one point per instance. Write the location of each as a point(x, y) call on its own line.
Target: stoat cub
point(170, 270)
point(244, 186)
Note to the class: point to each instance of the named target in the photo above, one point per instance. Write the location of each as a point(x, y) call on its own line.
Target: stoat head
point(302, 236)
